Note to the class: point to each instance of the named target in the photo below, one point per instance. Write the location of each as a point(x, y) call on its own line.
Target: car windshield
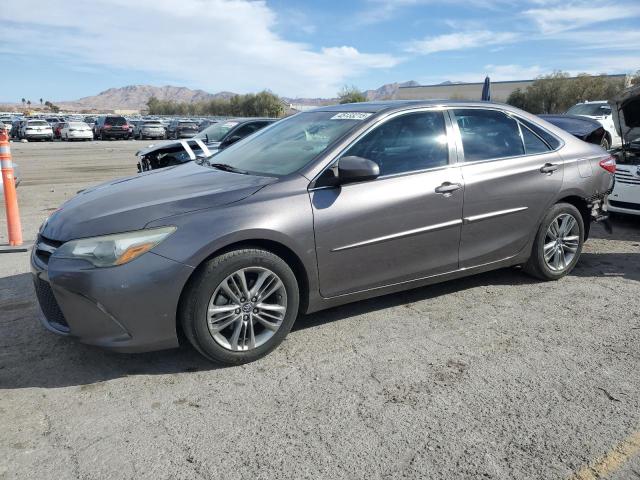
point(289, 144)
point(188, 124)
point(152, 124)
point(591, 109)
point(37, 123)
point(217, 131)
point(78, 125)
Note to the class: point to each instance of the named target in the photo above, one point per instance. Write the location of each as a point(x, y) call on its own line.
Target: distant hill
point(135, 97)
point(388, 91)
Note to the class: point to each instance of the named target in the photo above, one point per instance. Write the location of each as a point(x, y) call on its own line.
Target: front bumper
point(129, 308)
point(628, 208)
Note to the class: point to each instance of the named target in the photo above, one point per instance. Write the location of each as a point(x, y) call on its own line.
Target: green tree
point(351, 94)
point(556, 92)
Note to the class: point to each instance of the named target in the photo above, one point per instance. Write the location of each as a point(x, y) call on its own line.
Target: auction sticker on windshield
point(351, 116)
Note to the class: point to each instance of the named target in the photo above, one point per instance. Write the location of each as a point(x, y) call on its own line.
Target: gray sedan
point(323, 208)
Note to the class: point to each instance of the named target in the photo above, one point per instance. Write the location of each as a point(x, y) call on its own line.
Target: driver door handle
point(448, 187)
point(548, 168)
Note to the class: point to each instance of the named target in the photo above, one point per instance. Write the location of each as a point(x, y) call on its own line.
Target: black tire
point(536, 265)
point(102, 137)
point(195, 303)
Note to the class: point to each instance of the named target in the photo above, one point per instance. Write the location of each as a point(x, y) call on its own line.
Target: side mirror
point(357, 169)
point(231, 140)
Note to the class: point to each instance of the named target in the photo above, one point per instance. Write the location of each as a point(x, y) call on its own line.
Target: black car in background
point(182, 129)
point(203, 145)
point(111, 126)
point(584, 128)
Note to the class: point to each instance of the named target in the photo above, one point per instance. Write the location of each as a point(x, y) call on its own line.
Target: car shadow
point(30, 356)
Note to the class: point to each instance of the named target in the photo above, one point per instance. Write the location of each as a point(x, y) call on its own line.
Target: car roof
point(377, 107)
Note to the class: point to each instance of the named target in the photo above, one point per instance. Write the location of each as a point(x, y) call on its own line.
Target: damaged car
point(322, 208)
point(206, 143)
point(625, 197)
point(586, 129)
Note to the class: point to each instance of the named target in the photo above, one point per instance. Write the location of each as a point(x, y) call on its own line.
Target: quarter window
point(488, 134)
point(410, 142)
point(532, 143)
point(553, 142)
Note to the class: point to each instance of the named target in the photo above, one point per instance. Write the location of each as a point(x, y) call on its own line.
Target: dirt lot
point(494, 376)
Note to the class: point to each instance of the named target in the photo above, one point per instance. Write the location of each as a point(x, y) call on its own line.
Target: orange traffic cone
point(10, 196)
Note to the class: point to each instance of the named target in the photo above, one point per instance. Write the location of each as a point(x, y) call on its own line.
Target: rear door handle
point(548, 168)
point(448, 187)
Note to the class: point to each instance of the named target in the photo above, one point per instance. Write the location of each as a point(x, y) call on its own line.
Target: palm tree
point(40, 102)
point(29, 103)
point(23, 101)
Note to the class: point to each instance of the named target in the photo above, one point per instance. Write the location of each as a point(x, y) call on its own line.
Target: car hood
point(577, 125)
point(131, 203)
point(626, 114)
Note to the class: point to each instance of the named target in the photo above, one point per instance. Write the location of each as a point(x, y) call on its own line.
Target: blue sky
point(74, 48)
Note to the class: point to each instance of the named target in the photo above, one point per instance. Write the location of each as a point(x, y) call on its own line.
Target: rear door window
point(488, 134)
point(116, 121)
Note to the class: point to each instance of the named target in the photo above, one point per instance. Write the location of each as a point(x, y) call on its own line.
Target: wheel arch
point(287, 254)
point(582, 206)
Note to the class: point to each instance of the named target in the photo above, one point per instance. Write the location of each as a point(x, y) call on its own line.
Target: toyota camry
point(323, 208)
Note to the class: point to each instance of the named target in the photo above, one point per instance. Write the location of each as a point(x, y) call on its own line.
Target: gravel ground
point(493, 376)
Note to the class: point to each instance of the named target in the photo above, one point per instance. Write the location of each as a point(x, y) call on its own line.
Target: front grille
point(45, 248)
point(49, 305)
point(623, 176)
point(627, 205)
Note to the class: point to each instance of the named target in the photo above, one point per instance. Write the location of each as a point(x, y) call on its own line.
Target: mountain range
point(135, 97)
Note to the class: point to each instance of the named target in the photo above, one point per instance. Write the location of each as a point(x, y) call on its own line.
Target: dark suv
point(111, 126)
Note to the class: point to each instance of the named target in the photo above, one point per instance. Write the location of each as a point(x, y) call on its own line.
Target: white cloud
point(460, 41)
point(561, 17)
point(210, 44)
point(383, 10)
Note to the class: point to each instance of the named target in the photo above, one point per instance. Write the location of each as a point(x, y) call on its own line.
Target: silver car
point(323, 208)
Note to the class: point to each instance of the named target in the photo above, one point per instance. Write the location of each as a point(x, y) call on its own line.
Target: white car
point(76, 131)
point(36, 130)
point(625, 197)
point(601, 112)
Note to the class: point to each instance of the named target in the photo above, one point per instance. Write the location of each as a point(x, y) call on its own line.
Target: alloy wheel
point(247, 309)
point(561, 242)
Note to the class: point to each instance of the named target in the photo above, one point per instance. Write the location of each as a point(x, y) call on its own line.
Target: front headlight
point(111, 250)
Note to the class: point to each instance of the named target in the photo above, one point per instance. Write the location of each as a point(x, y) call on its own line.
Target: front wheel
point(240, 306)
point(558, 243)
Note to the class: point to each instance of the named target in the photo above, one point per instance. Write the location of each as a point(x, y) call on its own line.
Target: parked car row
point(105, 127)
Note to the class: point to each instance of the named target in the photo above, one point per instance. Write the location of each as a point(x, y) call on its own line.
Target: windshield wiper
point(228, 168)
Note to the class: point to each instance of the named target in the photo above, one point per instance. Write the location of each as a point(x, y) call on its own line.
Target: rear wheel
point(240, 306)
point(558, 243)
point(605, 143)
